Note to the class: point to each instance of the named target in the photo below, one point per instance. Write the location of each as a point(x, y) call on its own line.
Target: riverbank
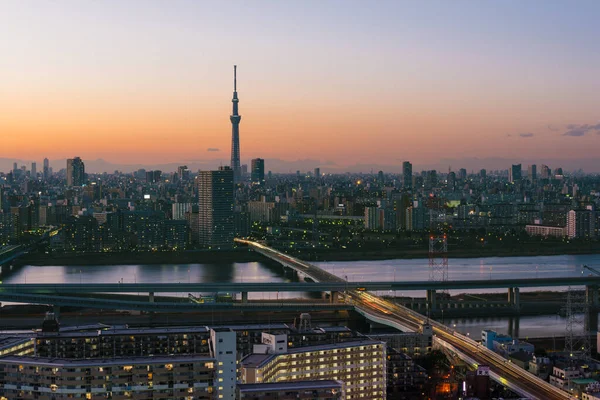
point(246, 255)
point(395, 254)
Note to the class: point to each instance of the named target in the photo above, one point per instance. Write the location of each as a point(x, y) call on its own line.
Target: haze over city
point(349, 85)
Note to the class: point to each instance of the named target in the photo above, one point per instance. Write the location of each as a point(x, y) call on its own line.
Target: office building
point(451, 182)
point(546, 172)
point(183, 173)
point(33, 170)
point(317, 172)
point(258, 171)
point(407, 175)
point(46, 168)
point(532, 173)
point(215, 208)
point(462, 174)
point(514, 173)
point(235, 132)
point(75, 172)
point(360, 365)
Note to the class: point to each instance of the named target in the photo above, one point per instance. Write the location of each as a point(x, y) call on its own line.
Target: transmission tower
point(577, 338)
point(438, 242)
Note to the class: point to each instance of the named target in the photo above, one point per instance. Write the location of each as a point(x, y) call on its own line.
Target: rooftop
point(58, 362)
point(298, 385)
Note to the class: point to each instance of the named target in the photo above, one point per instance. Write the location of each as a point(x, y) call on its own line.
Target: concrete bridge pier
point(56, 311)
point(591, 295)
point(514, 298)
point(244, 297)
point(151, 297)
point(334, 297)
point(430, 300)
point(513, 326)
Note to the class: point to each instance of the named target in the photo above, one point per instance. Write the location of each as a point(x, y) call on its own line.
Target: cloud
point(526, 135)
point(552, 128)
point(576, 130)
point(212, 149)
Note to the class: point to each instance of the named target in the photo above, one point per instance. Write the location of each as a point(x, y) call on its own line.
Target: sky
point(342, 82)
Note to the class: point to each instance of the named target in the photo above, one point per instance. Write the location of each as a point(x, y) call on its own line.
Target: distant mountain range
point(589, 165)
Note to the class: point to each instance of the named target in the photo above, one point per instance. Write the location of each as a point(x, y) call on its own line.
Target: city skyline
point(354, 85)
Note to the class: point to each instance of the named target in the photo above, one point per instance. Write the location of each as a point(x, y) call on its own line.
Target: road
point(505, 372)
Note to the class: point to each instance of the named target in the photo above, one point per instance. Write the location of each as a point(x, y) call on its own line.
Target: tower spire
point(235, 119)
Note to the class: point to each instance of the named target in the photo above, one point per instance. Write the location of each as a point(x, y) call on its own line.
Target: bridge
point(339, 285)
point(168, 306)
point(392, 314)
point(9, 253)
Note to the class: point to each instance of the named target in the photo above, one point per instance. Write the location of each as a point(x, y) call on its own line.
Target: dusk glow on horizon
point(344, 82)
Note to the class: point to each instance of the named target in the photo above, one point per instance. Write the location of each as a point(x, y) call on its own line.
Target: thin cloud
point(526, 135)
point(553, 129)
point(212, 149)
point(575, 130)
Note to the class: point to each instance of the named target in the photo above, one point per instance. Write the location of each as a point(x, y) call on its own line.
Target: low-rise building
point(313, 390)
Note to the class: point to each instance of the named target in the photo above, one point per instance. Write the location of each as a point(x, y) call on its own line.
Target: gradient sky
point(341, 81)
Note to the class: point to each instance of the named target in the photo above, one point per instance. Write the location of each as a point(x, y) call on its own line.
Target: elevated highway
point(321, 286)
point(165, 306)
point(382, 310)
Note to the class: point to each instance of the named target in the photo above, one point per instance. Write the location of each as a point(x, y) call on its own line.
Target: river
point(380, 270)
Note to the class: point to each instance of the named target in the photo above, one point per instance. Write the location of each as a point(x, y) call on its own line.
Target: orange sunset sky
point(341, 81)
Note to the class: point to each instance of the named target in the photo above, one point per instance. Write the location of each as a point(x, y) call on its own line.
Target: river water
point(380, 270)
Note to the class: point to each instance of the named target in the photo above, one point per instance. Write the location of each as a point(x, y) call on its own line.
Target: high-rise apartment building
point(75, 172)
point(223, 348)
point(514, 173)
point(258, 171)
point(407, 175)
point(164, 377)
point(360, 365)
point(580, 223)
point(215, 208)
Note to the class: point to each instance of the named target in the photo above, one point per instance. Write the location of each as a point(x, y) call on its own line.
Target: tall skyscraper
point(75, 172)
point(532, 173)
point(258, 171)
point(407, 175)
point(235, 132)
point(46, 168)
point(317, 172)
point(215, 208)
point(546, 172)
point(514, 173)
point(33, 170)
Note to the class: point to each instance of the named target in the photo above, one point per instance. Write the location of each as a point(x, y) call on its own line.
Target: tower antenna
point(235, 78)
